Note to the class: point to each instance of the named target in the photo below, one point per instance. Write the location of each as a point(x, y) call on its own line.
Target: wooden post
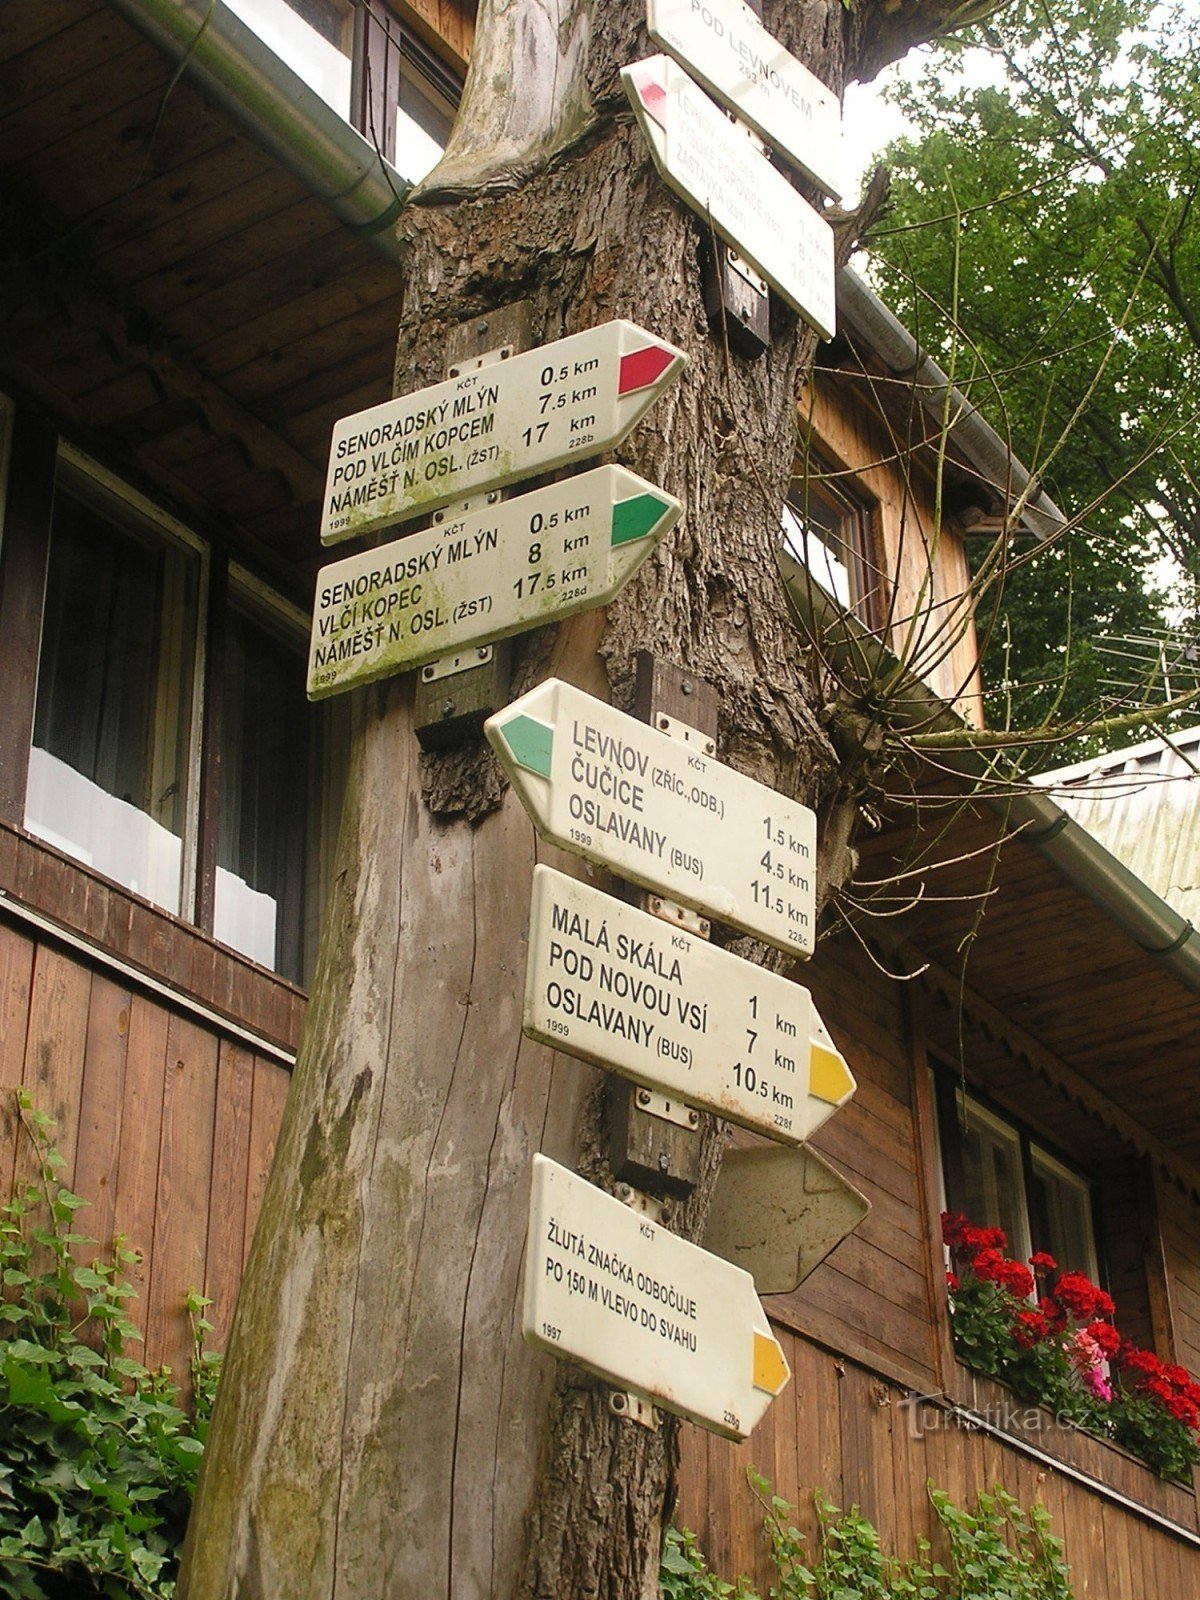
point(646, 1150)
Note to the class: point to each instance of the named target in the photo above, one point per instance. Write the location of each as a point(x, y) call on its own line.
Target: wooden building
point(198, 280)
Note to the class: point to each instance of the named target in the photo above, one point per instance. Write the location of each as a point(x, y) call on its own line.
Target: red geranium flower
point(1030, 1329)
point(1081, 1298)
point(1106, 1336)
point(953, 1224)
point(1041, 1262)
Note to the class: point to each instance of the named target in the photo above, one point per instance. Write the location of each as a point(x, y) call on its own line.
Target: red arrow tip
point(643, 367)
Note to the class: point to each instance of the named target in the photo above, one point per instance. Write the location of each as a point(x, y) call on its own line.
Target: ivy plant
point(98, 1460)
point(998, 1551)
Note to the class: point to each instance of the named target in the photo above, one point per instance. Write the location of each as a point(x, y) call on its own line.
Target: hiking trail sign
point(715, 169)
point(725, 46)
point(658, 812)
point(626, 990)
point(609, 1288)
point(483, 576)
point(561, 402)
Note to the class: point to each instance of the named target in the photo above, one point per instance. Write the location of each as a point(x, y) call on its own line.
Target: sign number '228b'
point(659, 813)
point(563, 402)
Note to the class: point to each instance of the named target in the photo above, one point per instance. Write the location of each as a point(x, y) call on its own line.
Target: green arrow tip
point(531, 743)
point(635, 518)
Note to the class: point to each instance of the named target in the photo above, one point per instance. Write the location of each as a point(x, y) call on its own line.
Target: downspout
point(1081, 859)
point(229, 63)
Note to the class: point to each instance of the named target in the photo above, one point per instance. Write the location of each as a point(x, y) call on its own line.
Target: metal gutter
point(229, 63)
point(1081, 859)
point(862, 313)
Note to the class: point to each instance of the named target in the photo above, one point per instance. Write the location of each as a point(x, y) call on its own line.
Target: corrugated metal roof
point(1143, 804)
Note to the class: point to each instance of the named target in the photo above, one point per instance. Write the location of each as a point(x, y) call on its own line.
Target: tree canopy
point(1044, 244)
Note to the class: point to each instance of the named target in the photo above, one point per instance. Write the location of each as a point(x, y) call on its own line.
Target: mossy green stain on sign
point(636, 518)
point(531, 742)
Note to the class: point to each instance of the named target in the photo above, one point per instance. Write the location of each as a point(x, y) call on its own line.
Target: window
point(112, 772)
point(124, 750)
point(828, 532)
point(314, 37)
point(1000, 1177)
point(370, 67)
point(425, 115)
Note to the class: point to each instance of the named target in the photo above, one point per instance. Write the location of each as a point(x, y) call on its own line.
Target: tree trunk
point(382, 1429)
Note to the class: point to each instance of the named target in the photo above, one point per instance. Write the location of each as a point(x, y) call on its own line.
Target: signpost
point(723, 43)
point(625, 990)
point(779, 1213)
point(607, 1287)
point(483, 576)
point(606, 786)
point(561, 402)
point(716, 171)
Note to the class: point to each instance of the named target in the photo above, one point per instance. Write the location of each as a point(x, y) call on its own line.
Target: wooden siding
point(846, 1431)
point(166, 1127)
point(166, 948)
point(921, 576)
point(873, 1296)
point(448, 25)
point(1179, 1221)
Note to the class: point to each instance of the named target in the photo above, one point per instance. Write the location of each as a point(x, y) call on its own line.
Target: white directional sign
point(483, 576)
point(562, 402)
point(618, 987)
point(723, 43)
point(659, 813)
point(612, 1290)
point(715, 170)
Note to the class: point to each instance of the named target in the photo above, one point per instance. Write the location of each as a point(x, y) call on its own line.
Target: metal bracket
point(674, 729)
point(681, 916)
point(655, 1104)
point(487, 358)
point(744, 270)
point(646, 1205)
point(447, 666)
point(634, 1408)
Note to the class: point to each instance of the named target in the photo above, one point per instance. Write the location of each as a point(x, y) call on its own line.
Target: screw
point(664, 1161)
point(705, 926)
point(447, 708)
point(481, 326)
point(483, 651)
point(643, 1097)
point(624, 1192)
point(654, 903)
point(439, 516)
point(664, 1215)
point(664, 722)
point(454, 372)
point(493, 497)
point(506, 352)
point(617, 1402)
point(687, 686)
point(427, 673)
point(693, 1118)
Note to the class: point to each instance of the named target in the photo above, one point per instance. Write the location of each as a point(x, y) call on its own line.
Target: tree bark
point(382, 1430)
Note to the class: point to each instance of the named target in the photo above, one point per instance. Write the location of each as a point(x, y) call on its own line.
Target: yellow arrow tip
point(829, 1078)
point(771, 1371)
